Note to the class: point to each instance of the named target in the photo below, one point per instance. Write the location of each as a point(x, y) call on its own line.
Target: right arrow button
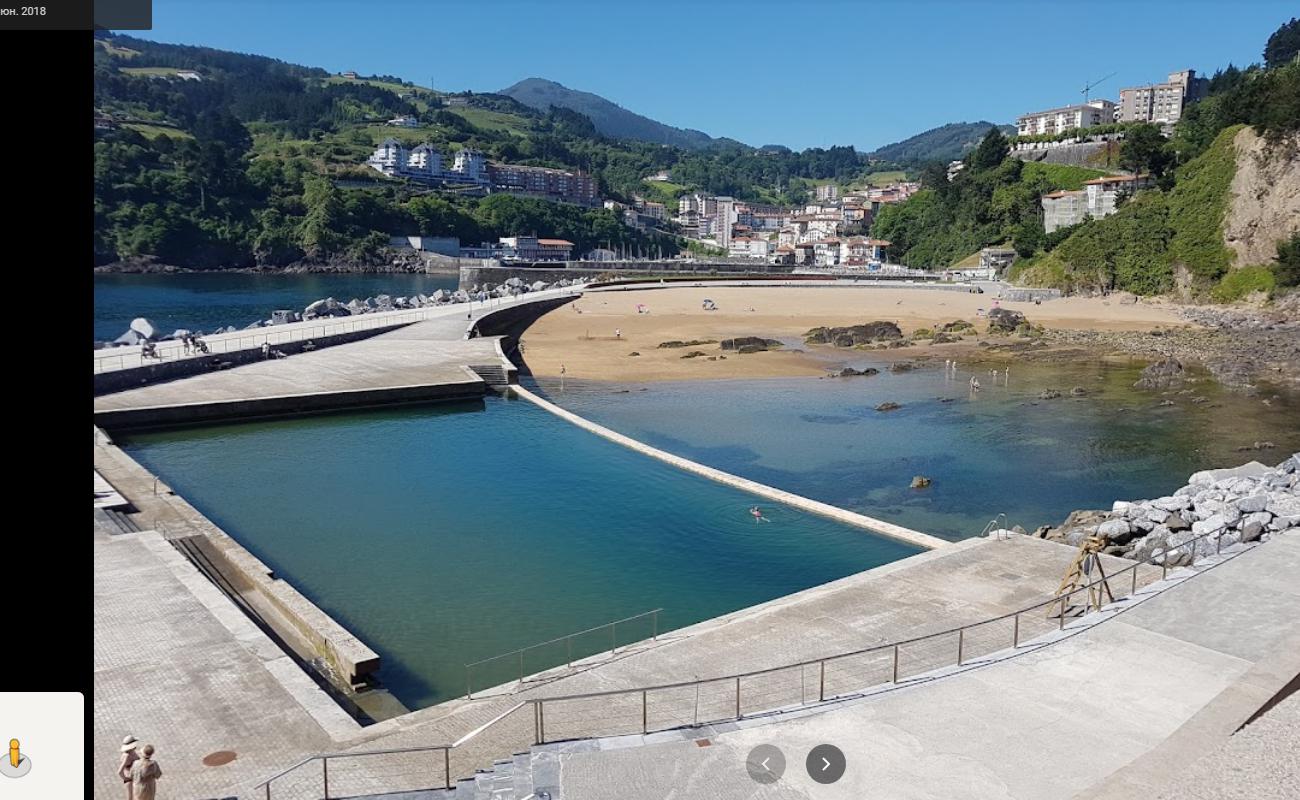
point(825, 763)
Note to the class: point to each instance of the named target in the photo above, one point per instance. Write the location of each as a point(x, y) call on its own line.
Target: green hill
point(609, 118)
point(945, 143)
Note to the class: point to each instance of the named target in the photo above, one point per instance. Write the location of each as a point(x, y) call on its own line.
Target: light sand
point(586, 345)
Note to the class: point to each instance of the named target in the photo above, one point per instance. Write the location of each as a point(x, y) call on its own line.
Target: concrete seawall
point(348, 657)
point(915, 538)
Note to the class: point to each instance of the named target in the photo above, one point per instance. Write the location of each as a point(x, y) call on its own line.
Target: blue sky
point(802, 73)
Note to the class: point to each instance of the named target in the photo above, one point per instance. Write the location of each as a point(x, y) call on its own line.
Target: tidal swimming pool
point(443, 535)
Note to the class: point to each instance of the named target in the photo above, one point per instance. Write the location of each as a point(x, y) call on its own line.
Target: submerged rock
point(888, 406)
point(920, 482)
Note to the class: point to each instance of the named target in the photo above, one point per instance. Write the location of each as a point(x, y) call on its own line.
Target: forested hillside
point(241, 166)
point(1170, 236)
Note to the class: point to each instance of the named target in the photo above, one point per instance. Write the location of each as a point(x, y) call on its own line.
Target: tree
point(1145, 151)
point(1284, 45)
point(990, 152)
point(1286, 267)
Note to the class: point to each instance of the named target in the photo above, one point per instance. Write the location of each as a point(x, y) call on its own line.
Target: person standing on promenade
point(129, 757)
point(145, 774)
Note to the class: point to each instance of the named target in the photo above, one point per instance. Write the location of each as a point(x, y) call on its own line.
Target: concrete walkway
point(180, 667)
point(967, 582)
point(1053, 722)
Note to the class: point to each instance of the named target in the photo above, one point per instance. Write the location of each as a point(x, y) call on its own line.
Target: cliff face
point(1265, 203)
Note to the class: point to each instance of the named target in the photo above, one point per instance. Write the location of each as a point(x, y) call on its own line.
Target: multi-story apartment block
point(1063, 209)
point(828, 191)
point(726, 218)
point(1059, 120)
point(424, 164)
point(1096, 200)
point(1161, 103)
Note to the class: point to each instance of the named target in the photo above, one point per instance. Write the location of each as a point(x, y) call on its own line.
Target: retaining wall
point(348, 657)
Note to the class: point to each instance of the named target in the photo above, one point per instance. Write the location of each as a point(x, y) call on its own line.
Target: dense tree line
point(1175, 227)
point(994, 200)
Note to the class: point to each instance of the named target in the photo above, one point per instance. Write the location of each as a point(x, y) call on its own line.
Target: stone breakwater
point(142, 330)
point(1244, 504)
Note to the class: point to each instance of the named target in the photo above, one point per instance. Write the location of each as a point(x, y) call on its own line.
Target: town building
point(1161, 103)
point(726, 218)
point(1063, 209)
point(1097, 199)
point(531, 248)
point(749, 247)
point(1068, 118)
point(403, 122)
point(352, 76)
point(863, 252)
point(1104, 192)
point(827, 191)
point(996, 259)
point(470, 167)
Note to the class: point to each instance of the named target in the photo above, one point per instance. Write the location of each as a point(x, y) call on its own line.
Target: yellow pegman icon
point(14, 754)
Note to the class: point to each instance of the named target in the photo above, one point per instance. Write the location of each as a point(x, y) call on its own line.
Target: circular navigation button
point(825, 763)
point(765, 763)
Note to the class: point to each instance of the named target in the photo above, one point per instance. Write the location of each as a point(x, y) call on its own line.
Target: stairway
point(495, 375)
point(530, 775)
point(118, 521)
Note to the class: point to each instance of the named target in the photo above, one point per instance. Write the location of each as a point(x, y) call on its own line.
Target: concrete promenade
point(889, 529)
point(964, 583)
point(418, 361)
point(1121, 709)
point(179, 666)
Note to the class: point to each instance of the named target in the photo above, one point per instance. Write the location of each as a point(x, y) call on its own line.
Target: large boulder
point(1005, 320)
point(1163, 374)
point(852, 335)
point(128, 338)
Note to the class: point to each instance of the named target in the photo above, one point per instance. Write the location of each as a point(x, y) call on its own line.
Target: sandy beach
point(595, 337)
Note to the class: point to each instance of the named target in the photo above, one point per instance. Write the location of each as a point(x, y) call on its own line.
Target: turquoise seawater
point(206, 301)
point(1000, 450)
point(443, 535)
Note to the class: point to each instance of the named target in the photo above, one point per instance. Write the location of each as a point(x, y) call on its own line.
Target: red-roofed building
point(531, 248)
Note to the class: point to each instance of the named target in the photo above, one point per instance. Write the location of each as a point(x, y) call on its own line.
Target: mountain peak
point(610, 118)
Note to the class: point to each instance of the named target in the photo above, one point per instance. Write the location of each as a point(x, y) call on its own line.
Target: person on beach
point(266, 350)
point(185, 343)
point(618, 333)
point(974, 384)
point(129, 756)
point(145, 773)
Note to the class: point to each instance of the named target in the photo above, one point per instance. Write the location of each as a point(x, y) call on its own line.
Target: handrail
point(877, 648)
point(539, 714)
point(430, 748)
point(224, 343)
point(613, 626)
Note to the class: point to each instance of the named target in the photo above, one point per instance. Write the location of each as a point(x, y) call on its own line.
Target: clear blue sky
point(802, 73)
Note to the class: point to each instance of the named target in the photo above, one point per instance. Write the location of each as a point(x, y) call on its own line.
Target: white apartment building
point(726, 218)
point(1059, 120)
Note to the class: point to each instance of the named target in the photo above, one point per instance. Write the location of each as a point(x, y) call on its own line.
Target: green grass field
point(483, 118)
point(150, 70)
point(154, 131)
point(886, 177)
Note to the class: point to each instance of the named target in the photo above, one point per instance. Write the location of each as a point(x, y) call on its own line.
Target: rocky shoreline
point(1239, 347)
point(397, 262)
point(1243, 504)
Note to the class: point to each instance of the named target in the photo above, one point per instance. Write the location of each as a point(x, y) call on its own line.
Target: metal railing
point(568, 641)
point(252, 338)
point(409, 769)
point(647, 709)
point(998, 523)
point(732, 697)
